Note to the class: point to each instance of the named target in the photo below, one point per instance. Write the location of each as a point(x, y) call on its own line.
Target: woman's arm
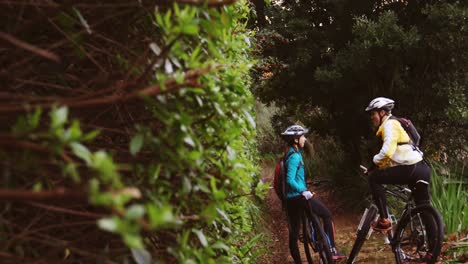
point(293, 165)
point(390, 142)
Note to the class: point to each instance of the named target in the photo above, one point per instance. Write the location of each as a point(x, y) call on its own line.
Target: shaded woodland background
point(323, 61)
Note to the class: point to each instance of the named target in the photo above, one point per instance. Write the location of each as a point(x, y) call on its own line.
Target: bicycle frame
point(418, 234)
point(403, 194)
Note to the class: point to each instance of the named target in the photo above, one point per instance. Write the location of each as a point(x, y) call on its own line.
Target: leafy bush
point(171, 168)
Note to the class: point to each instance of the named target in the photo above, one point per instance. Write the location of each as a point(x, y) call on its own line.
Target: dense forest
point(134, 130)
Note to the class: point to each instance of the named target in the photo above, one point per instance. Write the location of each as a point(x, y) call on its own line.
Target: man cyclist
point(297, 191)
point(398, 162)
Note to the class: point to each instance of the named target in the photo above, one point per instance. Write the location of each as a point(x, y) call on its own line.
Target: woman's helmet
point(381, 103)
point(293, 132)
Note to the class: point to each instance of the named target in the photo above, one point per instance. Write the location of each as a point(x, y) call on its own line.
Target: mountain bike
point(411, 241)
point(313, 236)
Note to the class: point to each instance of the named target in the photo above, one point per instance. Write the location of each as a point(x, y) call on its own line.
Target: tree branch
point(57, 194)
point(38, 51)
point(170, 85)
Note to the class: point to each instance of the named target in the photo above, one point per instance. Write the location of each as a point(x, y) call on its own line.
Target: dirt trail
point(373, 251)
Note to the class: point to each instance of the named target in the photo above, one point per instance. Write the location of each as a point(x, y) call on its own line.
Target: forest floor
point(374, 250)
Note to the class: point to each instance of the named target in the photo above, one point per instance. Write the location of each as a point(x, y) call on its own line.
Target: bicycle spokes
point(415, 242)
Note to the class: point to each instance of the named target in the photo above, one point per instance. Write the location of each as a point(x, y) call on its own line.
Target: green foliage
point(327, 155)
point(268, 139)
point(191, 174)
point(204, 151)
point(28, 123)
point(450, 197)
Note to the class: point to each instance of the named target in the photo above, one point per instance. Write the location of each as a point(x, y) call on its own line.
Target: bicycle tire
point(411, 234)
point(362, 233)
point(321, 244)
point(307, 240)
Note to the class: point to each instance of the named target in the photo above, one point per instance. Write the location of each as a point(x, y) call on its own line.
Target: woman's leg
point(393, 175)
point(294, 211)
point(322, 211)
point(422, 175)
point(421, 181)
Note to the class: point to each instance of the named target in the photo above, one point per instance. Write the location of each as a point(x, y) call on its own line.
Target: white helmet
point(294, 131)
point(381, 103)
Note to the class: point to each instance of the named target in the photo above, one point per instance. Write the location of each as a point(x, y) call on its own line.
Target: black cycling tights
point(404, 174)
point(295, 208)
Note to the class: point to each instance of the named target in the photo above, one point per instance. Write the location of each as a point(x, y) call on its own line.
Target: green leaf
point(70, 170)
point(103, 163)
point(189, 141)
point(35, 118)
point(136, 144)
point(195, 53)
point(28, 123)
point(224, 215)
point(201, 237)
point(248, 246)
point(91, 135)
point(209, 213)
point(108, 224)
point(135, 211)
point(160, 216)
point(220, 245)
point(141, 256)
point(156, 172)
point(58, 117)
point(82, 152)
point(74, 131)
point(186, 185)
point(133, 240)
point(190, 29)
point(249, 118)
point(225, 19)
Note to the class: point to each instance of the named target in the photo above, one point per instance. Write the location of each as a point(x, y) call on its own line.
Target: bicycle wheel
point(419, 236)
point(307, 238)
point(363, 232)
point(320, 241)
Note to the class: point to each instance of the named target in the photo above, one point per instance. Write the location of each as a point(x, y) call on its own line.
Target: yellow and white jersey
point(394, 151)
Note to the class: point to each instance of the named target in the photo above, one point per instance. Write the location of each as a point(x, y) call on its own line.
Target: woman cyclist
point(297, 193)
point(398, 161)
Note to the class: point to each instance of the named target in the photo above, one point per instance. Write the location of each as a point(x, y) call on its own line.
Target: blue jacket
point(295, 177)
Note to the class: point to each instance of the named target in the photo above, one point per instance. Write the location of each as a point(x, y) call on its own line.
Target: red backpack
point(279, 181)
